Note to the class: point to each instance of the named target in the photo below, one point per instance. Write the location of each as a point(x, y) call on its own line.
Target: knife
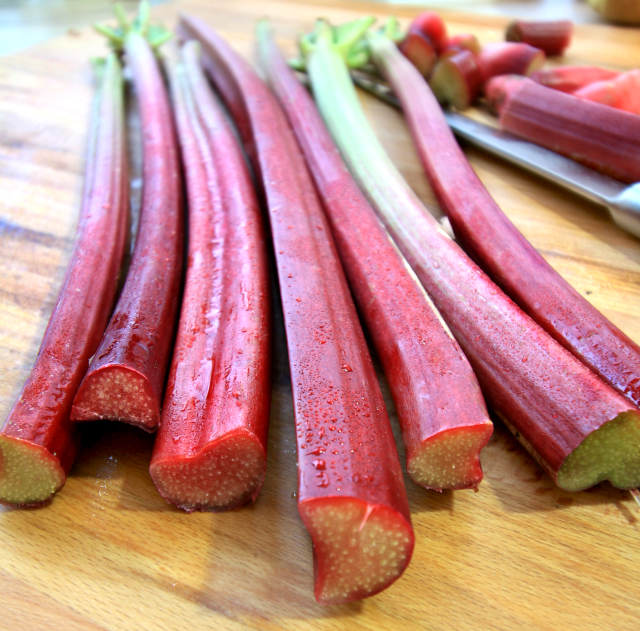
point(622, 201)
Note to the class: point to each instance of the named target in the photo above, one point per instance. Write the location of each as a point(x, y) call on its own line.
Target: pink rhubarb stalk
point(572, 78)
point(621, 92)
point(442, 414)
point(38, 442)
point(126, 377)
point(211, 449)
point(596, 135)
point(351, 495)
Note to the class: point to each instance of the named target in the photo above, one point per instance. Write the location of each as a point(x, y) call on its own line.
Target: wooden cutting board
point(109, 553)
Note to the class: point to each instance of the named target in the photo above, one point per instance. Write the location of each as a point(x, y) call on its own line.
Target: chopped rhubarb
point(551, 400)
point(419, 50)
point(509, 58)
point(622, 92)
point(126, 377)
point(432, 26)
point(351, 494)
point(456, 80)
point(442, 415)
point(552, 36)
point(572, 78)
point(38, 442)
point(601, 137)
point(211, 448)
point(463, 41)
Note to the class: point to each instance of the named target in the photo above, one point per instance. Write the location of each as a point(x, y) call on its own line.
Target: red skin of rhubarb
point(623, 92)
point(463, 41)
point(601, 137)
point(552, 36)
point(433, 386)
point(509, 58)
point(432, 26)
point(136, 346)
point(219, 387)
point(40, 417)
point(418, 48)
point(456, 80)
point(501, 250)
point(333, 380)
point(572, 78)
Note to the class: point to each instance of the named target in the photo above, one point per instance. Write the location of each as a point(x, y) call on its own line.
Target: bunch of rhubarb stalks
point(186, 352)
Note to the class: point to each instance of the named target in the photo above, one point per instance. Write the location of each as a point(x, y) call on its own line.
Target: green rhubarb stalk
point(577, 427)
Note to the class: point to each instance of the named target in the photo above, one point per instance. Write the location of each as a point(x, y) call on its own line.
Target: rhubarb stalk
point(210, 451)
point(441, 411)
point(496, 244)
point(126, 377)
point(580, 430)
point(601, 137)
point(38, 442)
point(351, 495)
point(572, 78)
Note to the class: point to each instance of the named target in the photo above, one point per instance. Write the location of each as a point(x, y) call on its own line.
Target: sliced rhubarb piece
point(495, 243)
point(419, 50)
point(443, 417)
point(501, 58)
point(497, 90)
point(463, 41)
point(598, 136)
point(38, 442)
point(623, 92)
point(211, 449)
point(126, 377)
point(456, 80)
point(551, 36)
point(346, 452)
point(432, 26)
point(572, 78)
point(550, 398)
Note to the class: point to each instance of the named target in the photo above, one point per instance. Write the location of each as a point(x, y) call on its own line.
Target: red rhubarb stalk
point(351, 496)
point(211, 449)
point(623, 92)
point(572, 78)
point(579, 428)
point(496, 244)
point(552, 36)
point(442, 414)
point(509, 58)
point(126, 377)
point(38, 442)
point(598, 136)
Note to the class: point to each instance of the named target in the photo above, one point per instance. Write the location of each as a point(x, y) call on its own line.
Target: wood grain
point(109, 553)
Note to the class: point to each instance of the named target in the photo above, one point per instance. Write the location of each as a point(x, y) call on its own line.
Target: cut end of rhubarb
point(611, 453)
point(226, 474)
point(359, 549)
point(450, 459)
point(29, 474)
point(117, 393)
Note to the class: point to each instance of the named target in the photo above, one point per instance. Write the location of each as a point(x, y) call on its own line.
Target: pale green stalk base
point(610, 453)
point(29, 474)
